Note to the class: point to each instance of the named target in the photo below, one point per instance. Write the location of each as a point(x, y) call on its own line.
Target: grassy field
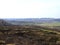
point(49, 24)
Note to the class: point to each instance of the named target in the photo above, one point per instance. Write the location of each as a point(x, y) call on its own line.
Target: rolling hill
point(33, 21)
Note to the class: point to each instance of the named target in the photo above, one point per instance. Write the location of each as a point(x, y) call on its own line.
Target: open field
point(49, 24)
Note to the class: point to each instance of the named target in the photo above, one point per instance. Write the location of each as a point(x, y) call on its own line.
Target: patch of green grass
point(50, 24)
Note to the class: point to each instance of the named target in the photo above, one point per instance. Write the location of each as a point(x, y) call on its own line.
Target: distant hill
point(31, 21)
point(4, 23)
point(57, 20)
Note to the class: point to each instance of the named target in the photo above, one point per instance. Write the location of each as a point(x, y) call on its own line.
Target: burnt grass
point(27, 35)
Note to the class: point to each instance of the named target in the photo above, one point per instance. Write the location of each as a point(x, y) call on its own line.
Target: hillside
point(28, 35)
point(4, 23)
point(30, 31)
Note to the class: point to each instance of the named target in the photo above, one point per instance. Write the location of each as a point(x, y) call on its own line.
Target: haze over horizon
point(29, 8)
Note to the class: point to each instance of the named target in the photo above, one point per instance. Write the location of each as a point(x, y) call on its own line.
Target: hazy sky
point(29, 8)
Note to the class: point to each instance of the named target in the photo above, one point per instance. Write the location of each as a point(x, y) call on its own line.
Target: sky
point(29, 8)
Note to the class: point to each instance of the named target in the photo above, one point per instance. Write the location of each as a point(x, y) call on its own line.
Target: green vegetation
point(50, 24)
